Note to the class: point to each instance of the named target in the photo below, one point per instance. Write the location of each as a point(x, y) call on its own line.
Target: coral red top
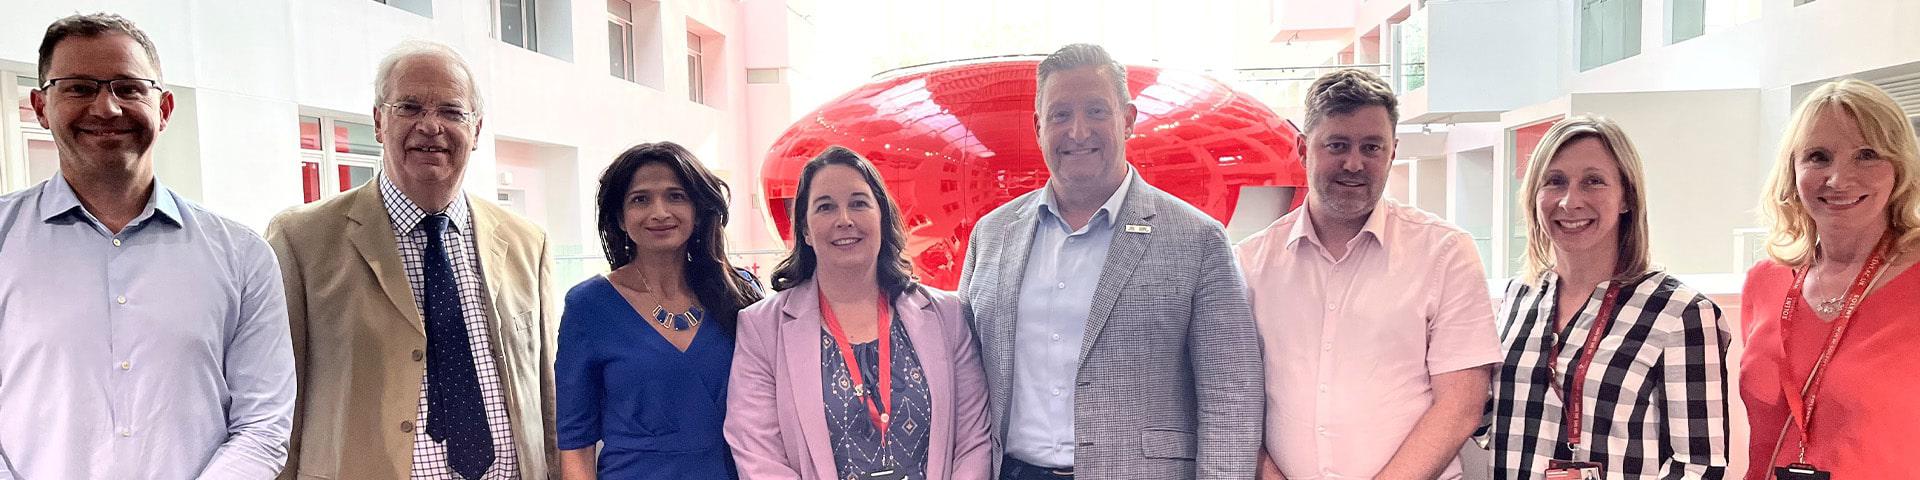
point(1866, 423)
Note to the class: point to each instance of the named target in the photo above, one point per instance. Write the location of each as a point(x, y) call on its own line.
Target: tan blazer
point(359, 342)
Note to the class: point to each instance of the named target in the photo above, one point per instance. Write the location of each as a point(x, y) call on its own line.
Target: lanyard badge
point(1570, 397)
point(880, 413)
point(1563, 470)
point(1800, 408)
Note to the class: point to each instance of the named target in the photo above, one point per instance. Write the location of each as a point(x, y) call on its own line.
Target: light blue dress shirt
point(1063, 269)
point(158, 353)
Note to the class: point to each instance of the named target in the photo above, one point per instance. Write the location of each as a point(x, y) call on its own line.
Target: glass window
point(696, 88)
point(1525, 141)
point(310, 133)
point(24, 86)
point(310, 180)
point(354, 138)
point(517, 24)
point(1693, 18)
point(619, 45)
point(354, 175)
point(1609, 31)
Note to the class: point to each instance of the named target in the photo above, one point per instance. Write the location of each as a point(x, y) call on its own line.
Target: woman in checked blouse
point(1593, 321)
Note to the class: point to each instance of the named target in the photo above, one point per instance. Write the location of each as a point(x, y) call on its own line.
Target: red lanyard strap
point(879, 414)
point(1571, 399)
point(1800, 407)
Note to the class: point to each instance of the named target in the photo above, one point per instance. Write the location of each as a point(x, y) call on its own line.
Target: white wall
point(1474, 45)
point(1695, 147)
point(245, 69)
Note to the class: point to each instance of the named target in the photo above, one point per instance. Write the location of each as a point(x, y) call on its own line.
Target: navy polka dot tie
point(455, 415)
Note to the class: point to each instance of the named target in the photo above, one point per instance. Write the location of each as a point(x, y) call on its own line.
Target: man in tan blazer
point(422, 333)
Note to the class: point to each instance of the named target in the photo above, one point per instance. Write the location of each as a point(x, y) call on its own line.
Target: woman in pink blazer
point(854, 370)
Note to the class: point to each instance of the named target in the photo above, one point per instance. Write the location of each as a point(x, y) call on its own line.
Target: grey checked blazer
point(1171, 382)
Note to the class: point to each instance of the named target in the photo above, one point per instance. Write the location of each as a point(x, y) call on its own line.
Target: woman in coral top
point(1832, 320)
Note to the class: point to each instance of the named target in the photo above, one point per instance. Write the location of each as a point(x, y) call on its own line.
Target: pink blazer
point(776, 419)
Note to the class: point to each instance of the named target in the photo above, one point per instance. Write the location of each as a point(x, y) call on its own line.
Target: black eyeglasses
point(452, 114)
point(81, 88)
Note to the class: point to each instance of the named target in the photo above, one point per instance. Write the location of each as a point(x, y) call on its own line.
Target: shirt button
point(122, 300)
point(126, 365)
point(1330, 307)
point(116, 242)
point(1323, 388)
point(126, 432)
point(1323, 431)
point(1326, 347)
point(417, 355)
point(1062, 286)
point(1056, 391)
point(1056, 337)
point(406, 427)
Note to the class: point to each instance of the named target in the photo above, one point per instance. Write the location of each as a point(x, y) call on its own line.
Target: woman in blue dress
point(645, 350)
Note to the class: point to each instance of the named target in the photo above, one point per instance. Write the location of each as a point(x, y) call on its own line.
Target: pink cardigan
point(776, 419)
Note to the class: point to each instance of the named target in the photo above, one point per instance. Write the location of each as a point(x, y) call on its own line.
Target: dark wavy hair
point(714, 281)
point(892, 271)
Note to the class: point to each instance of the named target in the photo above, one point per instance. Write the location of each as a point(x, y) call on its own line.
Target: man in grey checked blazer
point(1114, 326)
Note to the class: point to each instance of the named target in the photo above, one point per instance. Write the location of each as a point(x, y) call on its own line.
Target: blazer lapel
point(372, 235)
point(917, 314)
point(800, 340)
point(492, 246)
point(1123, 257)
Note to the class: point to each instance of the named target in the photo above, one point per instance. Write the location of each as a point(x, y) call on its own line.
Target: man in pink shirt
point(1374, 316)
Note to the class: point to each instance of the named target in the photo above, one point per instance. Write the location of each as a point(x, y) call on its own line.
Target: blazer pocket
point(1167, 443)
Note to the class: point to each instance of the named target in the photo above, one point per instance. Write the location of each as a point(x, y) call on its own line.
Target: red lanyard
point(1801, 406)
point(1571, 398)
point(880, 414)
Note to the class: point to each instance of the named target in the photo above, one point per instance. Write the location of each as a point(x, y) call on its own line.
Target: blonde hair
point(1636, 257)
point(1792, 232)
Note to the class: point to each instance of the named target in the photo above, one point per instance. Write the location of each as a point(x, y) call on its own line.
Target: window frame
point(330, 160)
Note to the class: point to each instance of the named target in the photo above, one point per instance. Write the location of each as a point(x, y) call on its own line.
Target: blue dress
point(658, 410)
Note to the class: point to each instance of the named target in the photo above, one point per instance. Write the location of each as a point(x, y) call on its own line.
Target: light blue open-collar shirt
point(161, 352)
point(1063, 269)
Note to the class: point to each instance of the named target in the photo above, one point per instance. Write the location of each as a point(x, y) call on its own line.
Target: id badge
point(1560, 470)
point(886, 475)
point(1800, 471)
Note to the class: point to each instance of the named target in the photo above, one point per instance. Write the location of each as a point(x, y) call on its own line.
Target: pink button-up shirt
point(1351, 342)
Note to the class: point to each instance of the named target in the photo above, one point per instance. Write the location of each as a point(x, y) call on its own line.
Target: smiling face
point(658, 213)
point(843, 219)
point(102, 132)
point(1084, 125)
point(1844, 183)
point(1580, 200)
point(1348, 157)
point(426, 153)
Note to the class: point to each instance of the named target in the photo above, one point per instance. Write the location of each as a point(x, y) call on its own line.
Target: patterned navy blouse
point(856, 443)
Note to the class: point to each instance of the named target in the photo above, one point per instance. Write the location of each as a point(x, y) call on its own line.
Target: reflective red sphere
point(954, 142)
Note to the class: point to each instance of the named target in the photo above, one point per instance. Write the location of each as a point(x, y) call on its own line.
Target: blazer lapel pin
point(1137, 228)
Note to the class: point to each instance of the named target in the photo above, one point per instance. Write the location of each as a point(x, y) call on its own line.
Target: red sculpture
point(955, 141)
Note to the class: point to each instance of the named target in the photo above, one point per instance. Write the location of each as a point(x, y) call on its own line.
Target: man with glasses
point(141, 336)
point(421, 325)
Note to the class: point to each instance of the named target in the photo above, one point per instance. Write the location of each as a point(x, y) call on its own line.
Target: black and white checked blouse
point(1655, 396)
point(429, 456)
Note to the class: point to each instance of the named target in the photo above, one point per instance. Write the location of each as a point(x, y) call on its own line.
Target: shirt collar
point(59, 201)
point(406, 215)
point(1048, 204)
point(1303, 229)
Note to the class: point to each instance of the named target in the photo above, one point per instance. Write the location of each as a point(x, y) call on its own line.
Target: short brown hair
point(1345, 90)
point(92, 25)
point(1080, 55)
